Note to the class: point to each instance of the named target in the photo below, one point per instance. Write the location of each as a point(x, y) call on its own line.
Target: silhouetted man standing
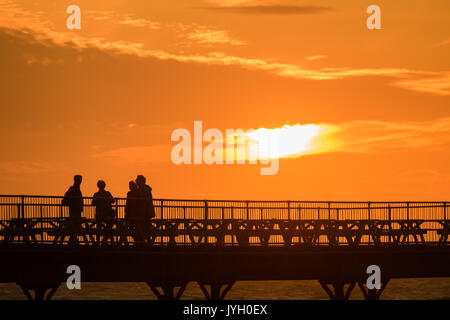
point(74, 200)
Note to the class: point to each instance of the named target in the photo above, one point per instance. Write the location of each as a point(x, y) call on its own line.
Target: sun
point(288, 141)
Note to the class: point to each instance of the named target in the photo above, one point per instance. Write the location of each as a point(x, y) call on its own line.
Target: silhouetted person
point(104, 213)
point(103, 200)
point(145, 193)
point(132, 204)
point(133, 213)
point(74, 200)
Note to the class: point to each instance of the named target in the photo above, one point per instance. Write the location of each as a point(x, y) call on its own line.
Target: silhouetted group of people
point(138, 208)
point(139, 203)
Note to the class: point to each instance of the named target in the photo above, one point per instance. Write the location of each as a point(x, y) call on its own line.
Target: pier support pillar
point(373, 294)
point(336, 289)
point(215, 291)
point(168, 291)
point(42, 291)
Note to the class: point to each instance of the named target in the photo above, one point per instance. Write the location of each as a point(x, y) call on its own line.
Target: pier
point(216, 243)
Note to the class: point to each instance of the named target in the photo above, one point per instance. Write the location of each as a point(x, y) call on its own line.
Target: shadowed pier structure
point(216, 243)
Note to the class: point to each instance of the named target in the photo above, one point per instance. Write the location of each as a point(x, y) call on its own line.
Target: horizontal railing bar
point(241, 201)
point(243, 208)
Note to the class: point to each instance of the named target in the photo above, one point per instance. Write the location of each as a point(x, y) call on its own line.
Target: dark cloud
point(271, 9)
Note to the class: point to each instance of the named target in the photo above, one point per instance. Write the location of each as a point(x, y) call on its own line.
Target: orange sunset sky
point(103, 101)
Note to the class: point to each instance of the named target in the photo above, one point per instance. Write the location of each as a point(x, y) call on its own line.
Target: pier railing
point(42, 219)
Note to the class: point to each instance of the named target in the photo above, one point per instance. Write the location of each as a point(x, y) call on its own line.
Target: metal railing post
point(445, 210)
point(162, 217)
point(246, 204)
point(206, 209)
point(42, 224)
point(22, 207)
point(206, 218)
point(329, 211)
point(289, 210)
point(184, 224)
point(407, 211)
point(233, 224)
point(407, 218)
point(390, 223)
point(368, 218)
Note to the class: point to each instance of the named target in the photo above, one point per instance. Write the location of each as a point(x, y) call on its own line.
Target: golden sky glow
point(359, 114)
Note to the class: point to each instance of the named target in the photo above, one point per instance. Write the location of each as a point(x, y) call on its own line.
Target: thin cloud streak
point(27, 167)
point(312, 58)
point(443, 43)
point(380, 136)
point(123, 19)
point(200, 34)
point(136, 155)
point(439, 85)
point(270, 9)
point(205, 35)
